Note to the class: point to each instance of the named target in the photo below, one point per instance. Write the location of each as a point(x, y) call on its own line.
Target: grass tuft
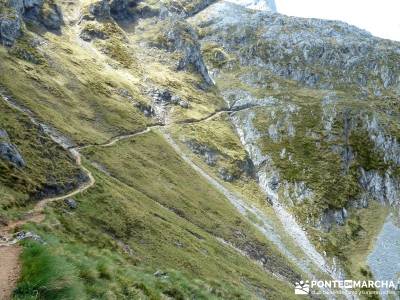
point(47, 276)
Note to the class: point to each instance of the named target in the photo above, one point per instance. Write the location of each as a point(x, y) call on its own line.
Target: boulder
point(3, 135)
point(10, 153)
point(161, 96)
point(165, 97)
point(10, 28)
point(100, 9)
point(160, 273)
point(17, 5)
point(331, 217)
point(226, 175)
point(175, 99)
point(23, 235)
point(71, 203)
point(51, 17)
point(183, 104)
point(147, 110)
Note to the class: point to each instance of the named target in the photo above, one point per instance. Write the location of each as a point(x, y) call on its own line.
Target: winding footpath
point(9, 249)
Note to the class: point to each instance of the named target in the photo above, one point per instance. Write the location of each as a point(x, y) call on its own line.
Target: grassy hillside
point(150, 212)
point(49, 169)
point(315, 128)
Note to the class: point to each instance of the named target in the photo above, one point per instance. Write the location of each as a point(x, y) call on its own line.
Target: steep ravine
point(267, 180)
point(326, 147)
point(265, 228)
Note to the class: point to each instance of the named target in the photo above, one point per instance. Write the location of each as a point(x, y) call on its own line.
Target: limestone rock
point(210, 156)
point(71, 203)
point(180, 36)
point(51, 17)
point(100, 9)
point(10, 28)
point(9, 151)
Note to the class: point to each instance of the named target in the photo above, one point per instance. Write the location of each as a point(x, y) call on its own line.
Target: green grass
point(219, 135)
point(81, 102)
point(149, 165)
point(149, 211)
point(148, 216)
point(47, 165)
point(47, 276)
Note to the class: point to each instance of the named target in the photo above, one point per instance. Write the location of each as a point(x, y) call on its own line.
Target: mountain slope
point(235, 150)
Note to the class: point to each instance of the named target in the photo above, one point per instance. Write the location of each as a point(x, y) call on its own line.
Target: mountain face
point(194, 150)
point(263, 5)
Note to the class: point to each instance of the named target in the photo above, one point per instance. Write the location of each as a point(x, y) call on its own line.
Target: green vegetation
point(83, 103)
point(149, 165)
point(141, 219)
point(312, 159)
point(151, 227)
point(215, 55)
point(25, 49)
point(311, 154)
point(47, 276)
point(219, 135)
point(353, 242)
point(119, 52)
point(48, 166)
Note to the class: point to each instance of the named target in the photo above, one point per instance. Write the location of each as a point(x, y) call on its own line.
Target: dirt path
point(125, 136)
point(36, 215)
point(9, 249)
point(9, 270)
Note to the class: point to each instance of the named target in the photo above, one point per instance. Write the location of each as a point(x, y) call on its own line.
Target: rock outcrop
point(313, 52)
point(307, 93)
point(9, 152)
point(100, 9)
point(13, 13)
point(71, 203)
point(10, 26)
point(263, 5)
point(181, 37)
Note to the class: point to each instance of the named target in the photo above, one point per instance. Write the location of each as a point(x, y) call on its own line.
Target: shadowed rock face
point(9, 151)
point(182, 37)
point(51, 17)
point(100, 9)
point(10, 27)
point(46, 13)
